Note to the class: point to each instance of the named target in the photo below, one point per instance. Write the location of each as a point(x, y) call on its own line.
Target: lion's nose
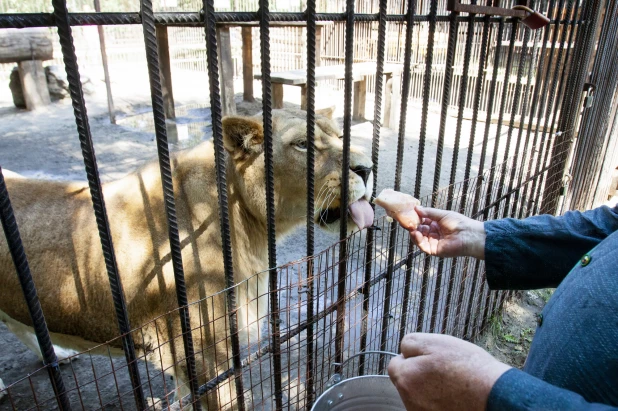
point(362, 171)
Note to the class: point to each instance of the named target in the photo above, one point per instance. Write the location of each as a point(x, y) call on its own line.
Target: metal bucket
point(369, 392)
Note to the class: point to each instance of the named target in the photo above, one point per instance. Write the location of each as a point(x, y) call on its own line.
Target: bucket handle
point(337, 378)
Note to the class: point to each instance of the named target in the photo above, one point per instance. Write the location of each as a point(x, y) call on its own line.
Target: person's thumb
point(432, 213)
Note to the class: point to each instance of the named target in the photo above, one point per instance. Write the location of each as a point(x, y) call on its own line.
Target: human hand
point(440, 372)
point(449, 234)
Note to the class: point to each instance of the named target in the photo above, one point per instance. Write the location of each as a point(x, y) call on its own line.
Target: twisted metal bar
point(524, 107)
point(463, 90)
point(475, 112)
point(405, 91)
point(311, 63)
point(212, 59)
point(152, 59)
point(193, 19)
point(18, 254)
point(515, 107)
point(345, 183)
point(505, 87)
point(419, 164)
point(479, 183)
point(557, 94)
point(375, 150)
point(543, 106)
point(477, 100)
point(61, 17)
point(570, 110)
point(446, 96)
point(594, 124)
point(270, 199)
point(533, 109)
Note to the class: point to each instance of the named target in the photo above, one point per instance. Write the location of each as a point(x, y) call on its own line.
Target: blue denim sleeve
point(517, 391)
point(539, 252)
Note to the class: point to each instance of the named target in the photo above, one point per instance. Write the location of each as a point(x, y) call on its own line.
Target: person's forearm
point(517, 391)
point(474, 241)
point(539, 252)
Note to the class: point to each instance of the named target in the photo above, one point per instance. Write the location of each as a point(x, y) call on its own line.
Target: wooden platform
point(360, 71)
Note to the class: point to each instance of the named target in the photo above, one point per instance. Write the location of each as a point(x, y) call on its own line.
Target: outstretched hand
point(448, 234)
point(440, 372)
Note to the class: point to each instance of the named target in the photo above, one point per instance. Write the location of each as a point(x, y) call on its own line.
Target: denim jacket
point(573, 359)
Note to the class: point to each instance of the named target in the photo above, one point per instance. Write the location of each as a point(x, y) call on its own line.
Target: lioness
point(60, 236)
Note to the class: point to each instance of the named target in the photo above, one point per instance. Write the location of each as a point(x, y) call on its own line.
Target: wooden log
point(25, 44)
point(277, 95)
point(247, 63)
point(226, 70)
point(165, 68)
point(388, 90)
point(303, 97)
point(34, 84)
point(360, 96)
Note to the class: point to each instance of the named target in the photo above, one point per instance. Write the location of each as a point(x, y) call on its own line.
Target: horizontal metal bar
point(488, 10)
point(196, 19)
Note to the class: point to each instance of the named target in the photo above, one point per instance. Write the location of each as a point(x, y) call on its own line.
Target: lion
point(60, 236)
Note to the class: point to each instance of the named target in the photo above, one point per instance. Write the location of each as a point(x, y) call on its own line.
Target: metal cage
point(371, 288)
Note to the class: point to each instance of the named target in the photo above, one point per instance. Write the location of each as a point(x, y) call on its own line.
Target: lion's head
point(244, 137)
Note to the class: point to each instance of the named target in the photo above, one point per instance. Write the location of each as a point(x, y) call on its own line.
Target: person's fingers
point(421, 242)
point(431, 213)
point(413, 345)
point(423, 229)
point(395, 367)
point(417, 344)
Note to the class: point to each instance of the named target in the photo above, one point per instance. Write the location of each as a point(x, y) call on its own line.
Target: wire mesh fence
point(274, 340)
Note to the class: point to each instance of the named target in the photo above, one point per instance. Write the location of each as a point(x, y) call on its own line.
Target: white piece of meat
point(399, 206)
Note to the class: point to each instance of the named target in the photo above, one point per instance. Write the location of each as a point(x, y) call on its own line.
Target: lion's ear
point(242, 133)
point(326, 112)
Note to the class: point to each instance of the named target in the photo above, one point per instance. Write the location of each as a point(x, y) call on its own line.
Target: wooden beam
point(25, 45)
point(277, 95)
point(226, 70)
point(165, 69)
point(108, 85)
point(247, 63)
point(34, 84)
point(360, 95)
point(303, 97)
point(318, 43)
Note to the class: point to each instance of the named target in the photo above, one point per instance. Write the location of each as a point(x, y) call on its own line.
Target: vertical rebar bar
point(405, 92)
point(264, 15)
point(570, 110)
point(18, 254)
point(477, 97)
point(152, 59)
point(61, 17)
point(345, 180)
point(221, 173)
point(554, 95)
point(421, 152)
point(375, 149)
point(311, 63)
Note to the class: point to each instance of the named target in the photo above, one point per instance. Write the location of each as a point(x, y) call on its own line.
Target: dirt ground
point(508, 336)
point(45, 145)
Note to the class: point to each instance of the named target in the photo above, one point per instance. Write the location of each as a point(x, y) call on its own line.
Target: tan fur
point(60, 236)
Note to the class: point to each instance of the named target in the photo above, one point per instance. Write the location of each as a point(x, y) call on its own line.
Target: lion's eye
point(340, 137)
point(301, 145)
